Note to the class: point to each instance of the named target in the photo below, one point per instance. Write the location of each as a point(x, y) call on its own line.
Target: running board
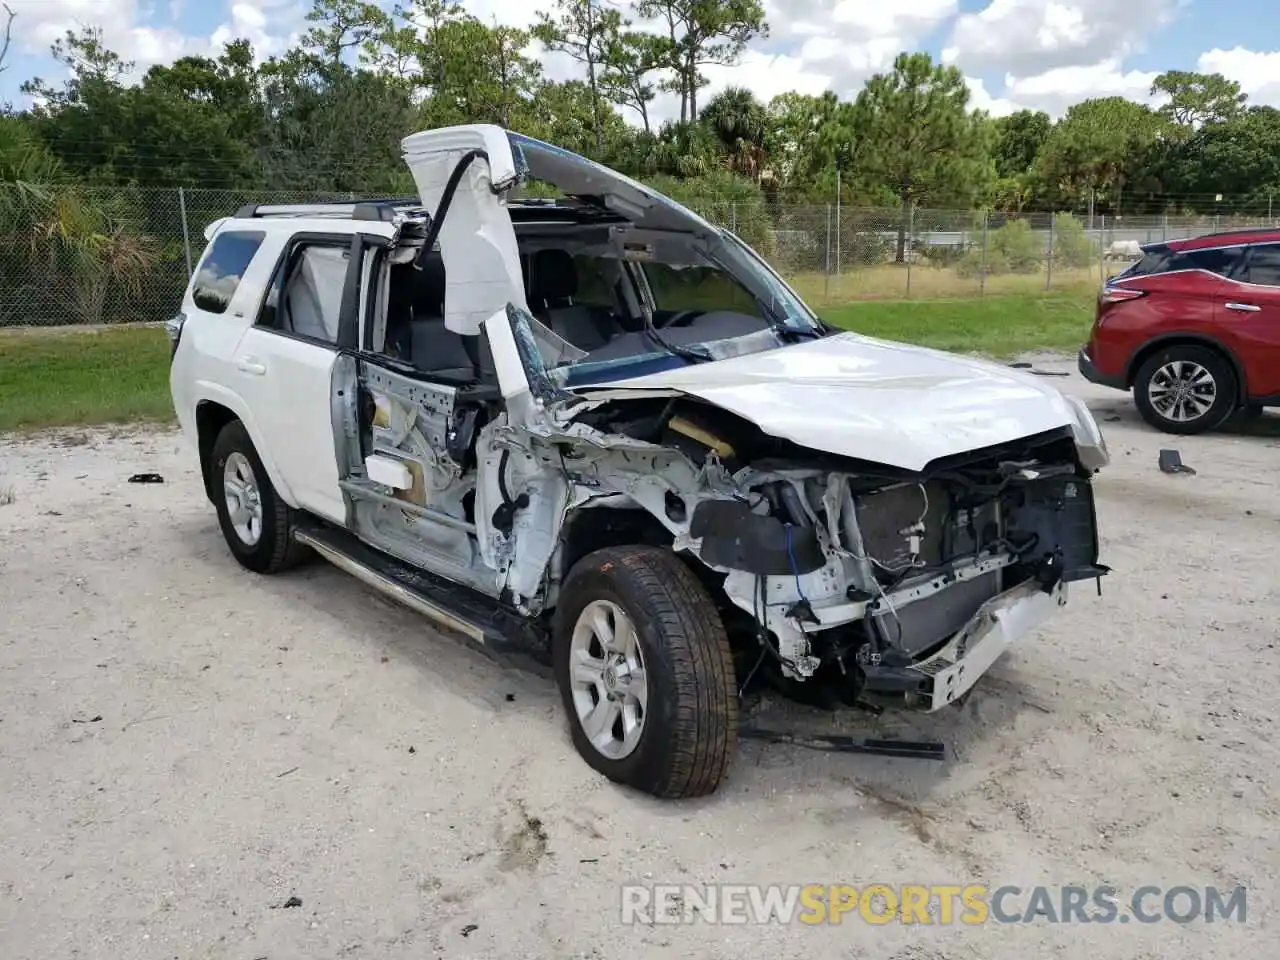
point(449, 605)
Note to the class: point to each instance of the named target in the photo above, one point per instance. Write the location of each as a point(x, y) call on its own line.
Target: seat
point(433, 347)
point(552, 288)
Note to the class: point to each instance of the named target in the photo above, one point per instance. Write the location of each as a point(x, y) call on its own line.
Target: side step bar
point(449, 605)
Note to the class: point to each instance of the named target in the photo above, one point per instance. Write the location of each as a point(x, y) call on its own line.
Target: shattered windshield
point(634, 306)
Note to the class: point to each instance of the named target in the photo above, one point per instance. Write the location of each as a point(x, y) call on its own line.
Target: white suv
point(605, 430)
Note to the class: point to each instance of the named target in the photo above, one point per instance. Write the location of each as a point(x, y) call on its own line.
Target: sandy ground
point(185, 746)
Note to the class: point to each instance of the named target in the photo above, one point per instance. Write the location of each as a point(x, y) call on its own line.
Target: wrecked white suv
point(600, 428)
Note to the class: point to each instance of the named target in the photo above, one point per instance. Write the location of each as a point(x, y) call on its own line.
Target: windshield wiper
point(692, 354)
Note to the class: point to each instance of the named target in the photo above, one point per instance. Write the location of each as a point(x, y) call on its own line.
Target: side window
point(595, 284)
point(305, 296)
point(1264, 265)
point(1224, 261)
point(220, 271)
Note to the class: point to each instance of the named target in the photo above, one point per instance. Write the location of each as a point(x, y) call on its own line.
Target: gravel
point(196, 761)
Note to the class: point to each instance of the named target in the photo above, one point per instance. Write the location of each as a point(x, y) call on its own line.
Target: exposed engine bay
point(849, 571)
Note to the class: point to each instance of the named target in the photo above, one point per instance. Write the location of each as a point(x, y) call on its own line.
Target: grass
point(69, 377)
point(890, 282)
point(82, 377)
point(996, 326)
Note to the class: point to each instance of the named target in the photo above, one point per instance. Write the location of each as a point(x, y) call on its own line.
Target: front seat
point(433, 347)
point(552, 288)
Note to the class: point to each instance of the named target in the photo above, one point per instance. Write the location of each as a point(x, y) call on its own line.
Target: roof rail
point(378, 209)
point(1233, 232)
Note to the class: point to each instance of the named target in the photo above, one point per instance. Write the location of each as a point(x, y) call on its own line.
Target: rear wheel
point(645, 672)
point(256, 523)
point(1185, 389)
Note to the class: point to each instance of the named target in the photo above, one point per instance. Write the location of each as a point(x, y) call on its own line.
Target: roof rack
point(382, 209)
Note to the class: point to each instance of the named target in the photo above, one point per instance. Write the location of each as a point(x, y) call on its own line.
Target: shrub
point(1019, 246)
point(1071, 245)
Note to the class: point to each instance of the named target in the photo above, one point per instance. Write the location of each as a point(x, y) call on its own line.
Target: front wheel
point(1185, 389)
point(645, 672)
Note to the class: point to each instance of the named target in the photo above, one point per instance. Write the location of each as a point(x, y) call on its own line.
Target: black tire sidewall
point(263, 555)
point(1224, 403)
point(649, 758)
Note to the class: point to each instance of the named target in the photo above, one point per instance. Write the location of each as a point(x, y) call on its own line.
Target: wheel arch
point(214, 412)
point(1144, 352)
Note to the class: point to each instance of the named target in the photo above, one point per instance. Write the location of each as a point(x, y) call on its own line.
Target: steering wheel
point(681, 319)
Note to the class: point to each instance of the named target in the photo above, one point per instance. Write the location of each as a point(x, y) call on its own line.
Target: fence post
point(827, 283)
point(1048, 260)
point(1164, 228)
point(982, 272)
point(1102, 251)
point(911, 242)
point(186, 236)
point(733, 217)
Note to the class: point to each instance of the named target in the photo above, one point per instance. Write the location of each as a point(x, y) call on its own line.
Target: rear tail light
point(1119, 294)
point(173, 327)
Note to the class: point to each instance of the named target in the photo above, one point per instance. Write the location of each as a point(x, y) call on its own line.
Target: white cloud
point(1028, 37)
point(1257, 73)
point(980, 99)
point(1055, 90)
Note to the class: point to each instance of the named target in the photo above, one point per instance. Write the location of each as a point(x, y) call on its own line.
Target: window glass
point(1264, 265)
point(220, 271)
point(678, 288)
point(309, 300)
point(1221, 262)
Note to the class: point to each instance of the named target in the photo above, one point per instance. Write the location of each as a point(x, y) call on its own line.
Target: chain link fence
point(86, 255)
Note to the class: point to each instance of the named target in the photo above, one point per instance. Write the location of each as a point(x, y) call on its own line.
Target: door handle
point(1243, 307)
point(251, 365)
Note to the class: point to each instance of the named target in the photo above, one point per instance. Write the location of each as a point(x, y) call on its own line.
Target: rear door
point(1251, 312)
point(285, 363)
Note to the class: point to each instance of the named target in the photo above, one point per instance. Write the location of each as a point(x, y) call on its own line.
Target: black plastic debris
point(1021, 365)
point(291, 903)
point(146, 478)
point(1171, 462)
point(96, 718)
point(469, 929)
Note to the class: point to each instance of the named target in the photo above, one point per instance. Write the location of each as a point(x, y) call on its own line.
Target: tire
point(1202, 368)
point(274, 548)
point(689, 722)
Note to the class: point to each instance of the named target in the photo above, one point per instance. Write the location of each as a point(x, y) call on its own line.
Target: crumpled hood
point(874, 400)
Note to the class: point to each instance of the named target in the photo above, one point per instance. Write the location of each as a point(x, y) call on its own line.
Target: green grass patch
point(74, 377)
point(69, 377)
point(996, 326)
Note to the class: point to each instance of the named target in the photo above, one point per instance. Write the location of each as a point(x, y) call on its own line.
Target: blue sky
point(1044, 54)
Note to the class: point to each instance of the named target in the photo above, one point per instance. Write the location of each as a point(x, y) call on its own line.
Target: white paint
point(874, 400)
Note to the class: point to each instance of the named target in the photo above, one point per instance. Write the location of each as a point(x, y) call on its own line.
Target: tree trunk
point(901, 256)
point(595, 99)
point(644, 114)
point(691, 78)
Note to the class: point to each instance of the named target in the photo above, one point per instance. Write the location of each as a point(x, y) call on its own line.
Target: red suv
point(1193, 328)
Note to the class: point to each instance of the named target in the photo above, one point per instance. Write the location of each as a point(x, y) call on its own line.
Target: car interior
point(582, 292)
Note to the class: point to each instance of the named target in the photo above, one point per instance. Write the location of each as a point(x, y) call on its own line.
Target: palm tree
point(59, 245)
point(741, 123)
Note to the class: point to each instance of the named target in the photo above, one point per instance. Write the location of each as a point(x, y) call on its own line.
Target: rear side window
point(1223, 261)
point(220, 271)
point(305, 297)
point(1264, 265)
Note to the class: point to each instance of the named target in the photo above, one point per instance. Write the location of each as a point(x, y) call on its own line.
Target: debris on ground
point(469, 929)
point(1171, 462)
point(96, 718)
point(146, 478)
point(291, 903)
